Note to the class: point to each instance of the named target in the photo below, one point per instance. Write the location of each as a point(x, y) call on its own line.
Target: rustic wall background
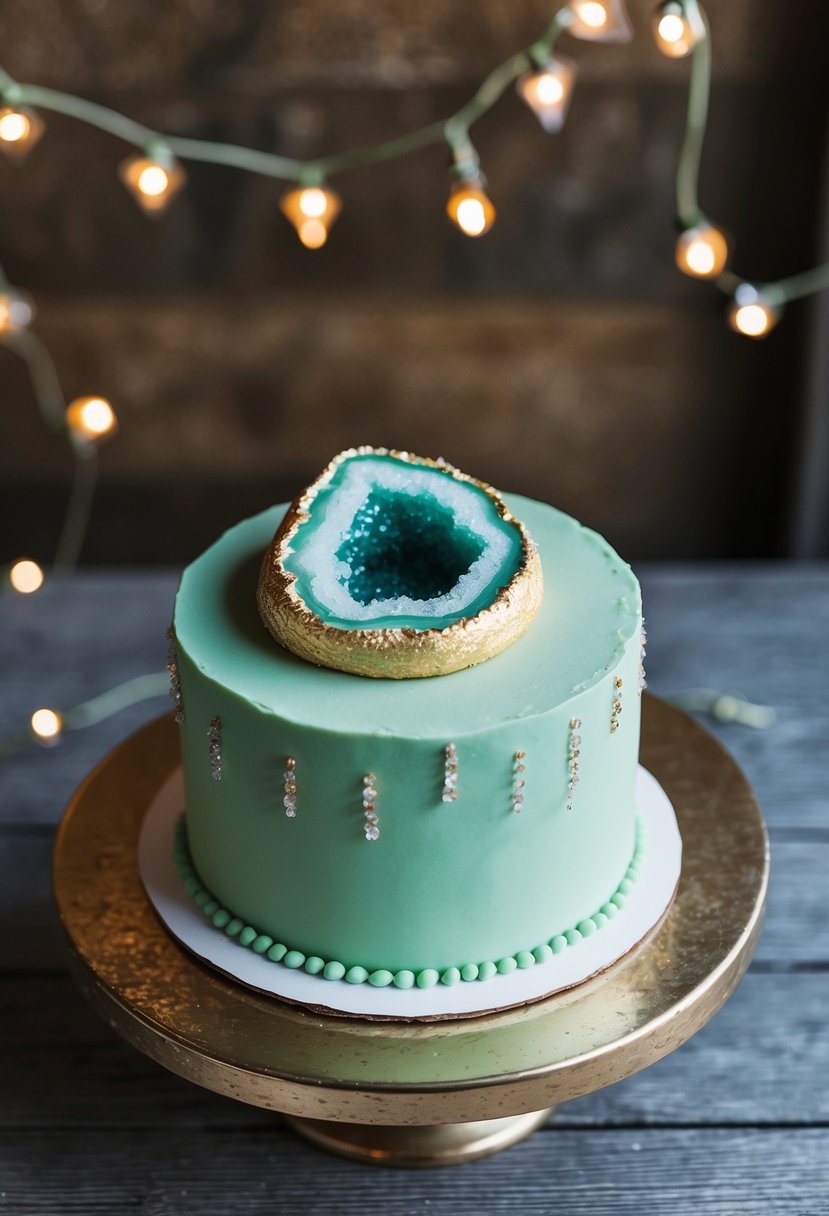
point(562, 355)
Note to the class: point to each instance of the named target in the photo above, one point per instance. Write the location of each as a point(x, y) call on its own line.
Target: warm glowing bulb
point(702, 251)
point(153, 181)
point(313, 203)
point(312, 211)
point(91, 418)
point(548, 91)
point(599, 20)
point(469, 207)
point(16, 311)
point(20, 129)
point(14, 126)
point(47, 725)
point(751, 314)
point(25, 576)
point(471, 216)
point(592, 14)
point(671, 27)
point(676, 36)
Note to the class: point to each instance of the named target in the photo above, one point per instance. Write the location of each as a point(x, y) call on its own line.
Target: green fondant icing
point(388, 543)
point(382, 977)
point(532, 873)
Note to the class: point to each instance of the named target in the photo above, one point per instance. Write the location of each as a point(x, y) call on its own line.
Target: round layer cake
point(485, 852)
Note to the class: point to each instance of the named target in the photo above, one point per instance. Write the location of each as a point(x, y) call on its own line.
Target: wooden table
point(736, 1121)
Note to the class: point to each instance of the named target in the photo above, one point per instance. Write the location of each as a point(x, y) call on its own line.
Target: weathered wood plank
point(759, 630)
point(763, 1061)
point(173, 1171)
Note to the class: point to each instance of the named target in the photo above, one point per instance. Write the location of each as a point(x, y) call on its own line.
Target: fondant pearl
point(542, 954)
point(247, 936)
point(314, 964)
point(277, 952)
point(486, 970)
point(294, 959)
point(356, 975)
point(573, 936)
point(469, 972)
point(524, 959)
point(427, 978)
point(221, 918)
point(507, 965)
point(404, 979)
point(262, 944)
point(235, 927)
point(558, 944)
point(333, 970)
point(380, 978)
point(450, 977)
point(586, 927)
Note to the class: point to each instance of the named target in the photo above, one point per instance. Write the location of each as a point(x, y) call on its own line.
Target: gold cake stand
point(422, 1093)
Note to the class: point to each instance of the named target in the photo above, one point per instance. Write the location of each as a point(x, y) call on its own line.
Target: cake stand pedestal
point(422, 1093)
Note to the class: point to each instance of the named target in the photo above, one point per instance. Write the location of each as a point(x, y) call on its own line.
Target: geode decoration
point(393, 566)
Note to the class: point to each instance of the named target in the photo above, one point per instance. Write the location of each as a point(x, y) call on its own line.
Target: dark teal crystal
point(402, 545)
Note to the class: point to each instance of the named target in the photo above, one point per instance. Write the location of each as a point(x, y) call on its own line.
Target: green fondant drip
point(427, 977)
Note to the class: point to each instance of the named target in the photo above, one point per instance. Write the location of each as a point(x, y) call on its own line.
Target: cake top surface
point(590, 610)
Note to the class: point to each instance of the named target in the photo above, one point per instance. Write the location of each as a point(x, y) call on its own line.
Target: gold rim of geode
point(395, 653)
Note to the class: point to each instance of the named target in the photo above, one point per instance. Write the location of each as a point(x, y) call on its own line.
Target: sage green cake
point(411, 830)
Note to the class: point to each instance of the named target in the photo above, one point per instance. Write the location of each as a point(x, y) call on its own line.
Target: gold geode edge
point(389, 653)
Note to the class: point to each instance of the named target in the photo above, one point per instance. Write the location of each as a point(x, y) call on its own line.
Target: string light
point(20, 129)
point(312, 210)
point(469, 206)
point(25, 576)
point(599, 21)
point(548, 90)
point(154, 179)
point(702, 251)
point(751, 313)
point(47, 726)
point(16, 311)
point(91, 419)
point(676, 34)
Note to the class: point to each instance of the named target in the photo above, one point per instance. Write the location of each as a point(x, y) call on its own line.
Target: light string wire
point(689, 214)
point(454, 131)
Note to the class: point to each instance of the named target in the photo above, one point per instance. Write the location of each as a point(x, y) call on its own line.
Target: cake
point(428, 828)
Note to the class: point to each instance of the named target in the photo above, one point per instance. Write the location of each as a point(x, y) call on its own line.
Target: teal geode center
point(385, 545)
point(404, 546)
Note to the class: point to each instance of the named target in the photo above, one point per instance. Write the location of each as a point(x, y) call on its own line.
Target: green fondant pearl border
point(428, 977)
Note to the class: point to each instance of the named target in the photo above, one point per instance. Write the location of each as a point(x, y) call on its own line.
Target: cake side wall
point(445, 883)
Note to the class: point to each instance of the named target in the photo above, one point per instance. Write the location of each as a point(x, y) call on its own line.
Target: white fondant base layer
point(644, 908)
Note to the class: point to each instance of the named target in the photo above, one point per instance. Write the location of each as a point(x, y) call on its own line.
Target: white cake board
point(645, 906)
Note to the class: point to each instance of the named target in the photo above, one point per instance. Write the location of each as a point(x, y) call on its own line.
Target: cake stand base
point(405, 1093)
point(416, 1147)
